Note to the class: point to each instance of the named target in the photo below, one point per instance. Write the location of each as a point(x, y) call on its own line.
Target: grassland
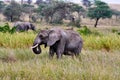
point(22, 64)
point(99, 59)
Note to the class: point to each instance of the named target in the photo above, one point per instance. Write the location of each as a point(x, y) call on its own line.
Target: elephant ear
point(53, 37)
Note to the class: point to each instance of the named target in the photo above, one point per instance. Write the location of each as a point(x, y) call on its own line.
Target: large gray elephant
point(60, 41)
point(24, 26)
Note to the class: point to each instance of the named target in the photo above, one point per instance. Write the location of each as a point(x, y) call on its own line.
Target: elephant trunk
point(36, 48)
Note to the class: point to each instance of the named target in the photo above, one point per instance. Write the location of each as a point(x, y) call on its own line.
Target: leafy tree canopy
point(12, 11)
point(2, 5)
point(100, 10)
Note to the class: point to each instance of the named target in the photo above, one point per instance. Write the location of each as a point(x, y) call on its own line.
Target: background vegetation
point(100, 56)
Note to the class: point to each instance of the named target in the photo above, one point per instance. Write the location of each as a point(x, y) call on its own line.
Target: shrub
point(6, 28)
point(118, 33)
point(84, 30)
point(114, 30)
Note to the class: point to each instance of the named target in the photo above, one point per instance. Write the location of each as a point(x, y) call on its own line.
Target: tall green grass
point(17, 40)
point(97, 41)
point(108, 42)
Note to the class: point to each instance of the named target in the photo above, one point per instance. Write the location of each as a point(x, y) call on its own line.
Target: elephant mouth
point(36, 49)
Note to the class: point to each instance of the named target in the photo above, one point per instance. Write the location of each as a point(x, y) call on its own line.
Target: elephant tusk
point(34, 46)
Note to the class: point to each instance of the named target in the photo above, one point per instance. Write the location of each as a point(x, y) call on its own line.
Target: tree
point(21, 2)
point(56, 11)
point(86, 3)
point(116, 13)
point(28, 9)
point(2, 6)
point(29, 1)
point(100, 10)
point(12, 11)
point(38, 2)
point(40, 8)
point(78, 9)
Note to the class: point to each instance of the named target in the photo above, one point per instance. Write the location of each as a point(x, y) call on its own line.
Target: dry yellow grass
point(91, 65)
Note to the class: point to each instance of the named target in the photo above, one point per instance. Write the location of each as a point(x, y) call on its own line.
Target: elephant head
point(32, 27)
point(46, 37)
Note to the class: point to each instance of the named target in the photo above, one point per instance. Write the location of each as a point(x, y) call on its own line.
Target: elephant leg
point(51, 52)
point(76, 53)
point(60, 50)
point(59, 54)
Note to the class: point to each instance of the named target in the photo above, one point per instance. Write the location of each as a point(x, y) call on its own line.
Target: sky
point(78, 1)
point(107, 1)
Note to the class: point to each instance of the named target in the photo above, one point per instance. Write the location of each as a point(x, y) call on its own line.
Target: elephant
point(24, 26)
point(59, 41)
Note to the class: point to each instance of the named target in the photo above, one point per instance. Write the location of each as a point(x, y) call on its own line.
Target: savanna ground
point(99, 59)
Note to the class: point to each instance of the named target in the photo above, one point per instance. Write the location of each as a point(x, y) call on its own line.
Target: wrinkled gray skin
point(60, 41)
point(24, 26)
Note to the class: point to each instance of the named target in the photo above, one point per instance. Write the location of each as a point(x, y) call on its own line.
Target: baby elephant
point(60, 41)
point(24, 26)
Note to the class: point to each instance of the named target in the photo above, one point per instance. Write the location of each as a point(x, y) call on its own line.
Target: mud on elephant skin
point(24, 26)
point(59, 41)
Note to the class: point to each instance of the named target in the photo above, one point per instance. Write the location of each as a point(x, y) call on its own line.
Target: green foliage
point(85, 31)
point(86, 3)
point(6, 28)
point(77, 8)
point(114, 30)
point(56, 11)
point(40, 8)
point(100, 10)
point(118, 33)
point(2, 6)
point(27, 8)
point(12, 11)
point(116, 12)
point(39, 2)
point(29, 1)
point(92, 40)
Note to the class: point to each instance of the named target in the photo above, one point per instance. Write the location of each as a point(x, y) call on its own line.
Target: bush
point(118, 33)
point(6, 28)
point(85, 31)
point(114, 30)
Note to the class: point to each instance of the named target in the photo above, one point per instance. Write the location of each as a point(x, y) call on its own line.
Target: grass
point(17, 40)
point(108, 42)
point(96, 40)
point(91, 65)
point(99, 60)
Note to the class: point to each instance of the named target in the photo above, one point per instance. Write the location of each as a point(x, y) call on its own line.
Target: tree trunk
point(11, 18)
point(79, 15)
point(21, 2)
point(96, 22)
